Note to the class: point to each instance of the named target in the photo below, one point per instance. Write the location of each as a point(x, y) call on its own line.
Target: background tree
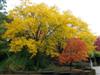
point(2, 10)
point(75, 51)
point(97, 47)
point(2, 4)
point(97, 44)
point(97, 51)
point(2, 14)
point(3, 46)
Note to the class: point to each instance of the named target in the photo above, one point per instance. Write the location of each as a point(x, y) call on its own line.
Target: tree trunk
point(70, 66)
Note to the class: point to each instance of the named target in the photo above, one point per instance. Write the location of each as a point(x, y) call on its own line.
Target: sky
point(87, 10)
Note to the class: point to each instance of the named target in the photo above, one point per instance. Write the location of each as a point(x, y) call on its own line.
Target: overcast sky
point(88, 10)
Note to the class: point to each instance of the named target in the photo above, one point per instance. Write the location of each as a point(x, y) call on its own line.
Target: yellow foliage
point(30, 43)
point(17, 44)
point(41, 28)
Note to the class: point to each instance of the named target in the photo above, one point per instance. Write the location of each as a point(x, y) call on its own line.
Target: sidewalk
point(97, 69)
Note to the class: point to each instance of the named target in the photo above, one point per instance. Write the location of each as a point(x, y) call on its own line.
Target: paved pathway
point(97, 68)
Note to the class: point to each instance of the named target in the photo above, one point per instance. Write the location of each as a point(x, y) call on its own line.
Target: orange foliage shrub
point(75, 50)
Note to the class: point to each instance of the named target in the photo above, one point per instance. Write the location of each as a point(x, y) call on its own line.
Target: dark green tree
point(2, 4)
point(2, 11)
point(3, 43)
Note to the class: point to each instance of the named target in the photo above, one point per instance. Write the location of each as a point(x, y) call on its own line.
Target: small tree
point(97, 50)
point(97, 44)
point(75, 50)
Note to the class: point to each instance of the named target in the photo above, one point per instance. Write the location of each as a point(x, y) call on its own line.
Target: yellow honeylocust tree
point(43, 29)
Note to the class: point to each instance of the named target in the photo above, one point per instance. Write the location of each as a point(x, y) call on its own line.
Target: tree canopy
point(40, 28)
